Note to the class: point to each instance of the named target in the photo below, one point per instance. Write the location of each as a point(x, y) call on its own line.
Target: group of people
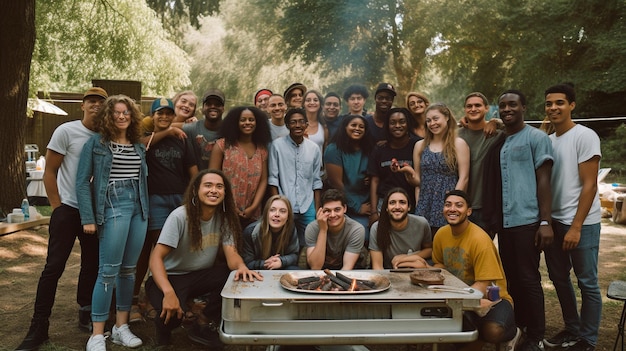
point(292, 184)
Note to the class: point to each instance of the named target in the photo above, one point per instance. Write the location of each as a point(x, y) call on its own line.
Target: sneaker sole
point(563, 345)
point(119, 342)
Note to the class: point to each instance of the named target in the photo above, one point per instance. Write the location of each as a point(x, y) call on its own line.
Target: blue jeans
point(64, 228)
point(520, 260)
point(302, 220)
point(121, 238)
point(584, 260)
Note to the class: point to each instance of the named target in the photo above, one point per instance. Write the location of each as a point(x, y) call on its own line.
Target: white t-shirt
point(68, 140)
point(574, 147)
point(183, 259)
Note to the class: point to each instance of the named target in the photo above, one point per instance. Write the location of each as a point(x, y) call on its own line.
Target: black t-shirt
point(168, 166)
point(380, 166)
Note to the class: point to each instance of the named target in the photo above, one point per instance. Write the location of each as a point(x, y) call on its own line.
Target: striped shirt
point(126, 162)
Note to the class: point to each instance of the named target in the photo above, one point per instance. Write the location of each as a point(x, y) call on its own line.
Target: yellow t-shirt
point(471, 257)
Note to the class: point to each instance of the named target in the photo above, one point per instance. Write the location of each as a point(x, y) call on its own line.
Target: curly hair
point(228, 218)
point(383, 234)
point(449, 150)
point(346, 144)
point(407, 115)
point(105, 120)
point(282, 241)
point(230, 131)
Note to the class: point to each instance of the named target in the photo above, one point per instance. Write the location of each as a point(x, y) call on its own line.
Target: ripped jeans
point(121, 239)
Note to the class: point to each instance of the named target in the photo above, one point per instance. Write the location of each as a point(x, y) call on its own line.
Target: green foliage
point(115, 39)
point(614, 152)
point(174, 12)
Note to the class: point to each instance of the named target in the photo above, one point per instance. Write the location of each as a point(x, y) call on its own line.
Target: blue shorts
point(160, 207)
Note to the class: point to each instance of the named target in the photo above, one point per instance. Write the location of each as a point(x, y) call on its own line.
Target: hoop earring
point(193, 201)
point(224, 206)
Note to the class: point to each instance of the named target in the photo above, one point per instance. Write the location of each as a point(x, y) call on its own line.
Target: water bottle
point(26, 209)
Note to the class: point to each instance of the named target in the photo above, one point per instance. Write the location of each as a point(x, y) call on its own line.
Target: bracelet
point(544, 223)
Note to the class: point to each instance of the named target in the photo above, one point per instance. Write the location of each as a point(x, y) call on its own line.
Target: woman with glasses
point(112, 194)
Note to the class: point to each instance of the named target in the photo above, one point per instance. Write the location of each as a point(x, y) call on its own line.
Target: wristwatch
point(544, 223)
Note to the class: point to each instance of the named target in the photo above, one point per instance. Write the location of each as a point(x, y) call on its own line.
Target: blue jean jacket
point(95, 161)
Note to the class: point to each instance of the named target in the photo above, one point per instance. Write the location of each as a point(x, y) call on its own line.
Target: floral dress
point(437, 179)
point(244, 173)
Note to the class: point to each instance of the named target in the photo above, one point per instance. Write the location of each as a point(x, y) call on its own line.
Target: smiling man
point(294, 170)
point(399, 239)
point(476, 107)
point(204, 133)
point(197, 249)
point(576, 217)
point(384, 96)
point(521, 169)
point(334, 240)
point(466, 251)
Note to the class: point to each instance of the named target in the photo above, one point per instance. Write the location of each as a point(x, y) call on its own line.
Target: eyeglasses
point(126, 113)
point(295, 122)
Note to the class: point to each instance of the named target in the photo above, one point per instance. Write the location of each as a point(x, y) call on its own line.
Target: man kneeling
point(193, 256)
point(466, 251)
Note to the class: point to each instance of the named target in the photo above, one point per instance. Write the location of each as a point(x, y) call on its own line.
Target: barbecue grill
point(267, 313)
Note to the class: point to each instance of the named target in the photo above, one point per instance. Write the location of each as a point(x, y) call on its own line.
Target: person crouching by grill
point(334, 240)
point(197, 248)
point(466, 250)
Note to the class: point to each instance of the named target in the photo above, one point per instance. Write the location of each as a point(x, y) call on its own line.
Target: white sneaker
point(123, 336)
point(510, 345)
point(96, 343)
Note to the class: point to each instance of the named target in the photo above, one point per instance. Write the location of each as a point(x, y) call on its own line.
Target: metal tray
point(289, 282)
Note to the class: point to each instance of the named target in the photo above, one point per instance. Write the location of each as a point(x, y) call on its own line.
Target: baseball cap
point(161, 103)
point(216, 93)
point(386, 87)
point(96, 91)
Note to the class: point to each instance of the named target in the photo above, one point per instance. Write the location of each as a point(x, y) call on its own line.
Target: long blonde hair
point(285, 233)
point(449, 136)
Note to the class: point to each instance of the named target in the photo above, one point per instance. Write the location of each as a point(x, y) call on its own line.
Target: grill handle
point(271, 304)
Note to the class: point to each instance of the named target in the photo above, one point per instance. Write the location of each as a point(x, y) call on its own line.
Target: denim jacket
point(96, 160)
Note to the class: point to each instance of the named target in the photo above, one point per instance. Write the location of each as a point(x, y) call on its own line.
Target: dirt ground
point(22, 257)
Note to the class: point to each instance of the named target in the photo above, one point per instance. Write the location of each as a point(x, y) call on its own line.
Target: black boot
point(84, 319)
point(37, 335)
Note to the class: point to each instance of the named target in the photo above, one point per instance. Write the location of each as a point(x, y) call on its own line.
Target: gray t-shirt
point(202, 140)
point(68, 140)
point(350, 239)
point(413, 237)
point(183, 259)
point(278, 131)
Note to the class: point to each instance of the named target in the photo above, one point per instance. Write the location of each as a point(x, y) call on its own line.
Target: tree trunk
point(17, 25)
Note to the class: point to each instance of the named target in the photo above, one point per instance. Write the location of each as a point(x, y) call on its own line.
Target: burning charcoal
point(310, 285)
point(367, 283)
point(305, 280)
point(344, 278)
point(342, 284)
point(327, 286)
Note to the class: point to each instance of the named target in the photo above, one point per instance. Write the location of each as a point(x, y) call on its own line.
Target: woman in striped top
point(114, 205)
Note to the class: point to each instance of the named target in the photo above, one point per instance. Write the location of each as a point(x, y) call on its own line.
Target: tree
point(17, 25)
point(175, 12)
point(115, 39)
